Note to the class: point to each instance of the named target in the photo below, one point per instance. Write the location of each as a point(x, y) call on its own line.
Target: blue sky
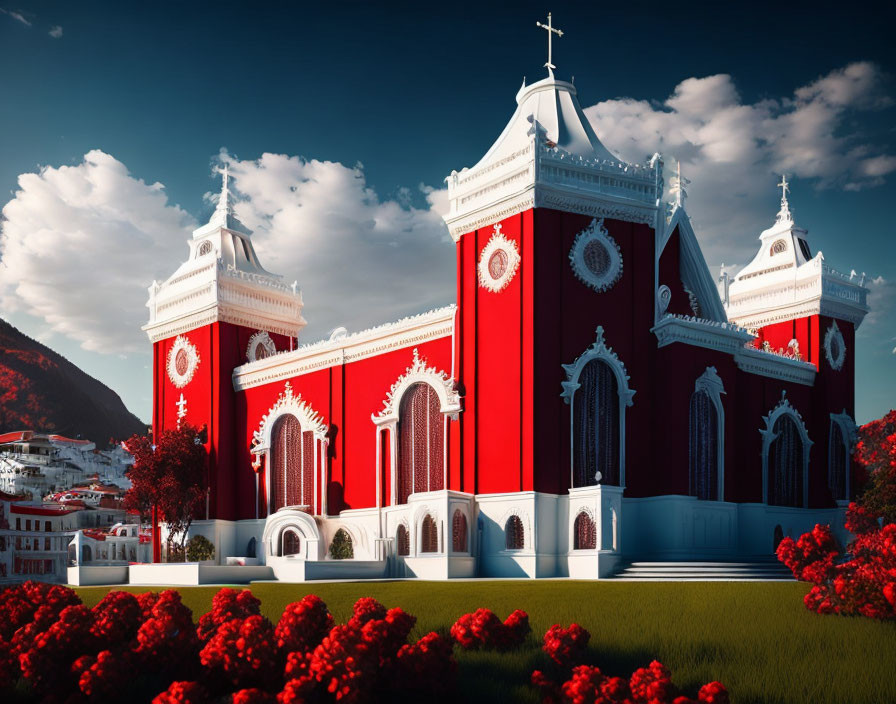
point(114, 115)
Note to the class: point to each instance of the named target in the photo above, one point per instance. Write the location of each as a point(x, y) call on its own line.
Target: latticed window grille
point(403, 540)
point(785, 464)
point(585, 533)
point(292, 464)
point(704, 447)
point(459, 531)
point(596, 414)
point(514, 535)
point(429, 535)
point(290, 544)
point(837, 462)
point(420, 449)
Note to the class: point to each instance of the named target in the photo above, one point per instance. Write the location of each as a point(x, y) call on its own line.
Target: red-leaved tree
point(168, 479)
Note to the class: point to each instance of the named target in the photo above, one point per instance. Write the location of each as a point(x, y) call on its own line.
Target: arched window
point(402, 540)
point(584, 533)
point(838, 464)
point(459, 532)
point(86, 553)
point(292, 464)
point(420, 448)
point(429, 535)
point(290, 544)
point(596, 436)
point(514, 536)
point(785, 464)
point(703, 447)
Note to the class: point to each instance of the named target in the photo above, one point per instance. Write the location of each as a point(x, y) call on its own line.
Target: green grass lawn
point(756, 638)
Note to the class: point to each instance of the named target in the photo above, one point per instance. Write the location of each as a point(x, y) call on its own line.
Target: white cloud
point(18, 16)
point(359, 260)
point(56, 32)
point(79, 246)
point(733, 150)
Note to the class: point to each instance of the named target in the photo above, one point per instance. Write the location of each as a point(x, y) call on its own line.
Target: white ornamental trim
point(596, 232)
point(498, 243)
point(181, 378)
point(834, 337)
point(261, 337)
point(419, 372)
point(287, 403)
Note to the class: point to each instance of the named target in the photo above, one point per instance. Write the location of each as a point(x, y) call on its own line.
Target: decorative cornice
point(775, 366)
point(406, 332)
point(710, 334)
point(418, 372)
point(498, 243)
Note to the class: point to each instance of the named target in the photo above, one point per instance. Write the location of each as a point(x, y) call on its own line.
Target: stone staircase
point(758, 569)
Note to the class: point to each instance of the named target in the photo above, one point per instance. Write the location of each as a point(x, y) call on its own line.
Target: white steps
point(697, 571)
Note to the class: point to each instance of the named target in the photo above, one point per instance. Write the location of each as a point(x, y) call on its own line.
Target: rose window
point(835, 347)
point(261, 346)
point(779, 247)
point(183, 358)
point(498, 261)
point(181, 362)
point(595, 257)
point(497, 264)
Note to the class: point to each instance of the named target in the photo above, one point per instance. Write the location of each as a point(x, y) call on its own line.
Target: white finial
point(550, 30)
point(784, 213)
point(678, 187)
point(224, 200)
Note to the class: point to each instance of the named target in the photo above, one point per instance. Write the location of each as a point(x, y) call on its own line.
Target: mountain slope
point(41, 390)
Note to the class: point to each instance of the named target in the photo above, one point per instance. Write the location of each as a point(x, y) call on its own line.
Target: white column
point(323, 476)
point(393, 461)
point(314, 504)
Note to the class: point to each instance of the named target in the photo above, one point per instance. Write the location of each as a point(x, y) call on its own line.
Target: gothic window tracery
point(429, 535)
point(703, 447)
point(292, 463)
point(584, 532)
point(514, 534)
point(596, 437)
point(459, 532)
point(420, 449)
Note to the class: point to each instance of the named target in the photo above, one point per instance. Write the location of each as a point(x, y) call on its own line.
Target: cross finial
point(784, 213)
point(181, 409)
point(550, 30)
point(224, 200)
point(678, 186)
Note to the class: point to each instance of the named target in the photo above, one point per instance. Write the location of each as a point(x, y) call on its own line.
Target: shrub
point(200, 548)
point(341, 547)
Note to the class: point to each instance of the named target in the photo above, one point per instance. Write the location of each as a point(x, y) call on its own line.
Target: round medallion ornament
point(596, 258)
point(779, 247)
point(260, 346)
point(205, 248)
point(183, 358)
point(498, 262)
point(835, 347)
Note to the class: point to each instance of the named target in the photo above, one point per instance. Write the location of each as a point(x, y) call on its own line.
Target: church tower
point(217, 311)
point(556, 241)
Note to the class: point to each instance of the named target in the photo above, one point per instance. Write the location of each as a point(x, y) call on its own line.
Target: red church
point(592, 396)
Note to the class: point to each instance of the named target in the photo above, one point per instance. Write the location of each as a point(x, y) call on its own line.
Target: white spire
point(224, 200)
point(678, 187)
point(550, 30)
point(784, 214)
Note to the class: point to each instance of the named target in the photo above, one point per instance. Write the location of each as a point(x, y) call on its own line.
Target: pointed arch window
point(459, 531)
point(402, 541)
point(514, 534)
point(841, 439)
point(429, 535)
point(785, 457)
point(292, 463)
point(421, 444)
point(584, 532)
point(598, 392)
point(706, 441)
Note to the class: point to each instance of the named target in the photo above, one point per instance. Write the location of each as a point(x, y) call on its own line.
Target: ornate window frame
point(597, 350)
point(589, 514)
point(833, 335)
point(849, 433)
point(288, 403)
point(387, 419)
point(498, 242)
point(290, 519)
point(711, 383)
point(182, 343)
point(526, 522)
point(265, 340)
point(769, 436)
point(596, 231)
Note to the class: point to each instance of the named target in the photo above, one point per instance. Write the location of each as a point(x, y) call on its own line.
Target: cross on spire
point(784, 213)
point(550, 30)
point(678, 186)
point(224, 200)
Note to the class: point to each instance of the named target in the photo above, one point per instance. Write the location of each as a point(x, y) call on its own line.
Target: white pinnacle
point(550, 30)
point(784, 215)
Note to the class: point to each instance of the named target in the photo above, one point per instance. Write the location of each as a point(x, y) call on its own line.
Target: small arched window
point(459, 532)
point(585, 533)
point(402, 540)
point(514, 535)
point(86, 553)
point(429, 535)
point(785, 464)
point(290, 544)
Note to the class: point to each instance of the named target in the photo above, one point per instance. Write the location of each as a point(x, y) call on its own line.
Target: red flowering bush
point(104, 677)
point(117, 617)
point(482, 629)
point(183, 693)
point(227, 604)
point(428, 661)
point(566, 646)
point(167, 640)
point(253, 696)
point(367, 609)
point(303, 624)
point(243, 652)
point(47, 662)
